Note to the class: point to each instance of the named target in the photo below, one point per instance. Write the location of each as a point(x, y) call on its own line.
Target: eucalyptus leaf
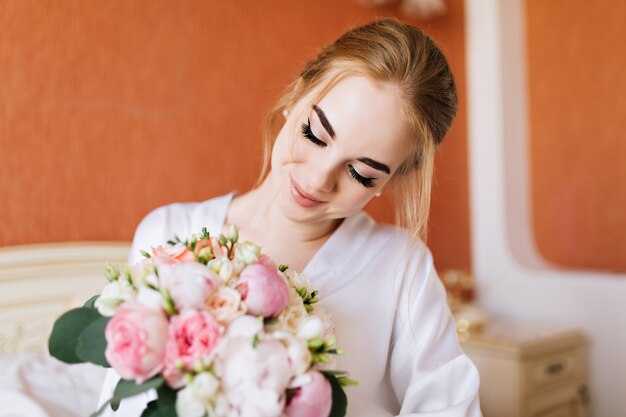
point(92, 343)
point(66, 332)
point(340, 401)
point(100, 410)
point(166, 401)
point(152, 410)
point(125, 389)
point(91, 303)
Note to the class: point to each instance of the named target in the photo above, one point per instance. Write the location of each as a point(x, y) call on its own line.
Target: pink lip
point(302, 198)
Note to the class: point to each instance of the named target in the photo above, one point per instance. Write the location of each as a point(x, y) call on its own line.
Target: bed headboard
point(39, 282)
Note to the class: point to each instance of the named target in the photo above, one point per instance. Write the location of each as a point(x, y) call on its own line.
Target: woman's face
point(347, 147)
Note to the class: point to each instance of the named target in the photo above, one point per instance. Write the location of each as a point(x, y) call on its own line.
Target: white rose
point(289, 320)
point(225, 304)
point(226, 271)
point(114, 294)
point(238, 266)
point(205, 386)
point(223, 267)
point(188, 404)
point(311, 328)
point(247, 252)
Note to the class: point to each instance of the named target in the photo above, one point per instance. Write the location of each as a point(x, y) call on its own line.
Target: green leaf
point(125, 389)
point(151, 410)
point(166, 401)
point(91, 302)
point(100, 410)
point(92, 343)
point(340, 401)
point(66, 332)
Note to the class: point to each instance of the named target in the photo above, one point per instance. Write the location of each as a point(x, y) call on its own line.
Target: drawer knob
point(554, 368)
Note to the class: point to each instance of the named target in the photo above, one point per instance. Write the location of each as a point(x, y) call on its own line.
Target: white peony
point(189, 284)
point(297, 350)
point(254, 376)
point(114, 294)
point(245, 326)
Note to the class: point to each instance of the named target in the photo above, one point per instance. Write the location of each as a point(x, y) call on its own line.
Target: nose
point(322, 177)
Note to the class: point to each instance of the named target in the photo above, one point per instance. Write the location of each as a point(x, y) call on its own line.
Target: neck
point(258, 212)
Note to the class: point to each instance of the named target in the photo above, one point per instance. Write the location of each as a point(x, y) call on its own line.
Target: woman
point(364, 116)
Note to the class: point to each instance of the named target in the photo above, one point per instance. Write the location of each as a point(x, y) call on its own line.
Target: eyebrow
point(324, 121)
point(367, 161)
point(375, 164)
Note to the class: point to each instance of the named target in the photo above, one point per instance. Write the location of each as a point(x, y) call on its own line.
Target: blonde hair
point(392, 52)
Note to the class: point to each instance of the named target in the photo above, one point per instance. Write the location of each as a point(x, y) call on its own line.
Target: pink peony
point(192, 336)
point(263, 290)
point(314, 399)
point(136, 338)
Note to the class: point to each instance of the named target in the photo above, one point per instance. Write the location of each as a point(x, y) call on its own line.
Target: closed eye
point(308, 133)
point(366, 182)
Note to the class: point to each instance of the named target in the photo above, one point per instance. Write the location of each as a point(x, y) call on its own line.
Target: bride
point(364, 117)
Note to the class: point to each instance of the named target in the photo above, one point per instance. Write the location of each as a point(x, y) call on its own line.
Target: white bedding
point(37, 385)
point(37, 284)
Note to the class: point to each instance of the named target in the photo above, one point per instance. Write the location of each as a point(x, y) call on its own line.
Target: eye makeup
point(307, 132)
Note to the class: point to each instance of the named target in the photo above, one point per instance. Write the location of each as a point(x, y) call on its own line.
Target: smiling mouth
point(301, 197)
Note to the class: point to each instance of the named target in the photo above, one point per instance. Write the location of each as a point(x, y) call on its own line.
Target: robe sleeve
point(429, 373)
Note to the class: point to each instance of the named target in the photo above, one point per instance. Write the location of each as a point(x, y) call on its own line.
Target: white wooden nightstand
point(529, 371)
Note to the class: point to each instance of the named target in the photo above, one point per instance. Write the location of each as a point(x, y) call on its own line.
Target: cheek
point(353, 197)
point(283, 151)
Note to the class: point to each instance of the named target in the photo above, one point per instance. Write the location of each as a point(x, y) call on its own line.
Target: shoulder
point(178, 219)
point(396, 243)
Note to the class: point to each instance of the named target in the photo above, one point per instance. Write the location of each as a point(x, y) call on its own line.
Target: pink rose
point(225, 304)
point(169, 254)
point(190, 284)
point(263, 290)
point(136, 338)
point(192, 336)
point(218, 250)
point(314, 399)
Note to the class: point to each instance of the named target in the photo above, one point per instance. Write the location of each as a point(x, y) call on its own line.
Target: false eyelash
point(308, 133)
point(367, 182)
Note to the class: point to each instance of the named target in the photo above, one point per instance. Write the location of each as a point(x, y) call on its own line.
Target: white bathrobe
point(388, 307)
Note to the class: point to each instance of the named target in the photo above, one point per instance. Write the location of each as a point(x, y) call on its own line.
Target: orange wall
point(577, 80)
point(111, 108)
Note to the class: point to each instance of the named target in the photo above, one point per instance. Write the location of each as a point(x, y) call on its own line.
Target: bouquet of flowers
point(215, 327)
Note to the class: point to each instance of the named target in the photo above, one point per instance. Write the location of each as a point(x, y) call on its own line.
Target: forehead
point(367, 118)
